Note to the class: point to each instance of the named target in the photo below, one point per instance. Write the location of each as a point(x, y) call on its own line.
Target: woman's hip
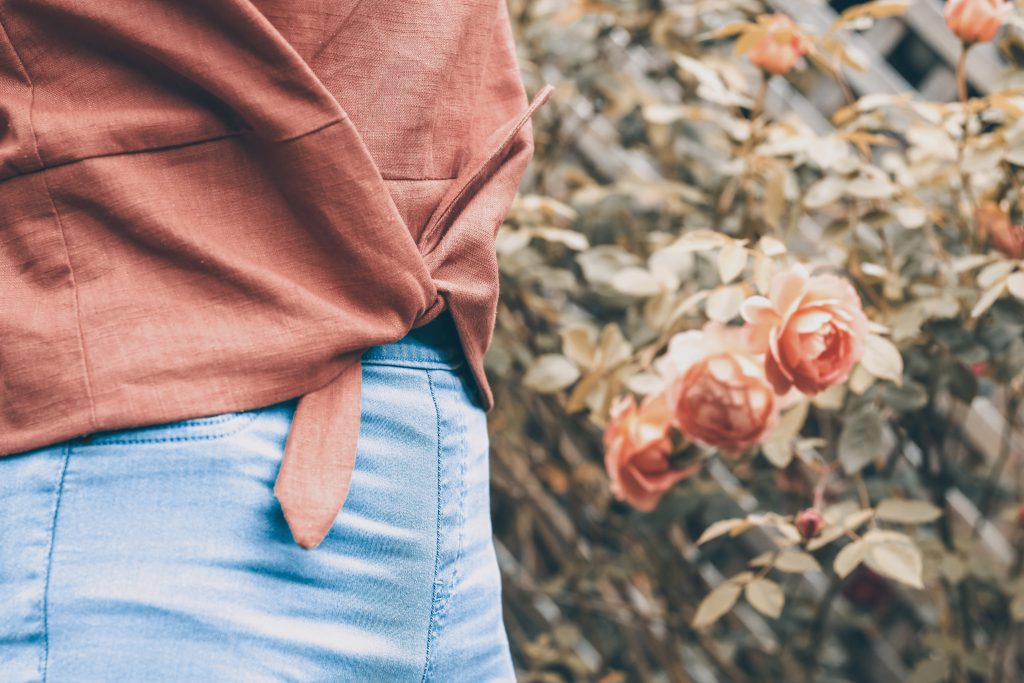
point(160, 553)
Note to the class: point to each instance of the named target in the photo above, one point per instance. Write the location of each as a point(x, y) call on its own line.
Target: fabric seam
point(463, 456)
point(44, 664)
point(434, 597)
point(60, 225)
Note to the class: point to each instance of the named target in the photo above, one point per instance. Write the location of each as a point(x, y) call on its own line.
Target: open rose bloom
point(781, 45)
point(813, 329)
point(976, 21)
point(637, 448)
point(718, 388)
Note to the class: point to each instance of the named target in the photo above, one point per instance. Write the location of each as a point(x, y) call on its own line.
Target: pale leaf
point(907, 511)
point(578, 344)
point(1017, 608)
point(792, 561)
point(1015, 283)
point(701, 240)
point(898, 560)
point(766, 597)
point(716, 604)
point(724, 303)
point(770, 246)
point(849, 558)
point(778, 452)
point(988, 298)
point(636, 282)
point(882, 359)
point(722, 527)
point(550, 373)
point(732, 259)
point(993, 273)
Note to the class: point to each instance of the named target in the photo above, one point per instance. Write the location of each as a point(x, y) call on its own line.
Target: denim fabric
point(159, 553)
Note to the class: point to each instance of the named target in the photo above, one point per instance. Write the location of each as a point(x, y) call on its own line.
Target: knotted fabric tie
point(320, 455)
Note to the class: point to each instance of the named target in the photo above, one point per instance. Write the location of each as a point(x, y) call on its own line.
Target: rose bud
point(781, 45)
point(975, 21)
point(809, 523)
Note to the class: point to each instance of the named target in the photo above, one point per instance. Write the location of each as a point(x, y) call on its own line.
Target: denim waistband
point(436, 343)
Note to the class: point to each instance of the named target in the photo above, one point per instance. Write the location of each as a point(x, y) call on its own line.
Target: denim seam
point(247, 419)
point(434, 597)
point(446, 596)
point(45, 655)
point(417, 363)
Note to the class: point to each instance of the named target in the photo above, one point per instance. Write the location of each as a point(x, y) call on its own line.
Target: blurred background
point(888, 154)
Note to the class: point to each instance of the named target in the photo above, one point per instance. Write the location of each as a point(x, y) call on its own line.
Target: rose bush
point(768, 422)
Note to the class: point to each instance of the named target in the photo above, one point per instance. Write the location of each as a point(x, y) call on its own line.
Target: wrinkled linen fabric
point(159, 553)
point(219, 205)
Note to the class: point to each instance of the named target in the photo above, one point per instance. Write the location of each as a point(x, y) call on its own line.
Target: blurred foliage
point(874, 530)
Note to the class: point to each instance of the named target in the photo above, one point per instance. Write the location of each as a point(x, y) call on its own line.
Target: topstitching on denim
point(443, 593)
point(435, 597)
point(44, 656)
point(194, 429)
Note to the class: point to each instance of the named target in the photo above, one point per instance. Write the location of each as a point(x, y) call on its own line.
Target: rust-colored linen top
point(215, 205)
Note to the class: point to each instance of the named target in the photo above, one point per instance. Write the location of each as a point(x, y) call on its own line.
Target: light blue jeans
point(159, 554)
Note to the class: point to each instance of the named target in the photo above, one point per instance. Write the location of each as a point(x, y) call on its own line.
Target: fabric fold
point(320, 452)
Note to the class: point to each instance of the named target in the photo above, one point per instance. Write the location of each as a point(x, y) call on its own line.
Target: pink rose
point(975, 21)
point(813, 329)
point(637, 447)
point(718, 388)
point(994, 224)
point(781, 46)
